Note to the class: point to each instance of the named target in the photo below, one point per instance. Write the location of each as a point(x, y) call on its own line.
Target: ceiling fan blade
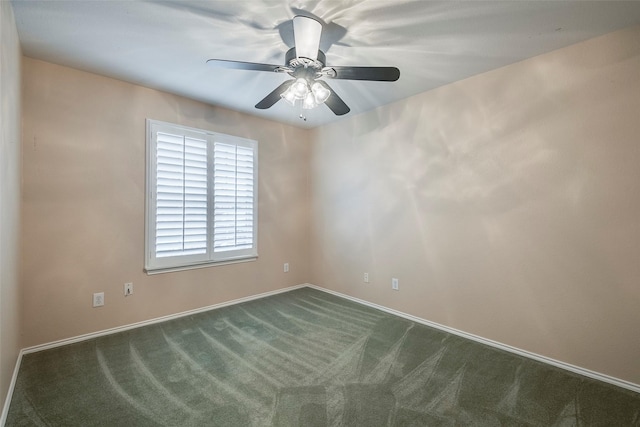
point(239, 65)
point(307, 32)
point(334, 102)
point(378, 74)
point(269, 100)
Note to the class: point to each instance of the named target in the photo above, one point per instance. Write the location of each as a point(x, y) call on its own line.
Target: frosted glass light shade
point(320, 93)
point(300, 88)
point(289, 96)
point(309, 102)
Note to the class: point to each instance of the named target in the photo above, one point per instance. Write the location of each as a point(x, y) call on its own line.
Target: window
point(201, 198)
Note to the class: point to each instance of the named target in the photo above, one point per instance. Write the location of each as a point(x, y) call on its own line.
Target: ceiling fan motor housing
point(305, 67)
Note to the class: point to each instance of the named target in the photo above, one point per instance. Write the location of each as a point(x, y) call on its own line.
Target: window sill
point(152, 271)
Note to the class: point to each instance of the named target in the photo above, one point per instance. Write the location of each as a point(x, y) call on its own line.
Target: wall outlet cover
point(98, 299)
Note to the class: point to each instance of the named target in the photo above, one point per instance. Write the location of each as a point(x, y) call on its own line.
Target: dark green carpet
point(303, 358)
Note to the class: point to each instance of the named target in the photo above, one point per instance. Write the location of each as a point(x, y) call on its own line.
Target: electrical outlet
point(394, 284)
point(98, 299)
point(128, 289)
point(286, 267)
point(366, 277)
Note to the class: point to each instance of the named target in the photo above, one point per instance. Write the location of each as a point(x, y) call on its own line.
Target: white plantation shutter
point(202, 197)
point(233, 197)
point(181, 196)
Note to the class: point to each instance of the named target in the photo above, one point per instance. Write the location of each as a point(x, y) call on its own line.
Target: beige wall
point(83, 204)
point(10, 57)
point(507, 204)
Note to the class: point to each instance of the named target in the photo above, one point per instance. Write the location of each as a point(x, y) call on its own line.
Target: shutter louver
point(181, 195)
point(233, 197)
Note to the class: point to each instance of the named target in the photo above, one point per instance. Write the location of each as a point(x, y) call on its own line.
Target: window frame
point(153, 264)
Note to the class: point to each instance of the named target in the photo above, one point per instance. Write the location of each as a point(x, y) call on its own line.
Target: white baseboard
point(12, 385)
point(562, 365)
point(156, 320)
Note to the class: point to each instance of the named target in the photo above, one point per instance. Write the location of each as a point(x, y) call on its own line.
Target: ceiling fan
point(307, 65)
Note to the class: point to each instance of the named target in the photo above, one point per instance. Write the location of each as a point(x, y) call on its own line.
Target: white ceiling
point(165, 45)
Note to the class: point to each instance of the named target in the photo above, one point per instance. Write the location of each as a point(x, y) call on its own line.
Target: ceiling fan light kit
point(311, 95)
point(306, 64)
